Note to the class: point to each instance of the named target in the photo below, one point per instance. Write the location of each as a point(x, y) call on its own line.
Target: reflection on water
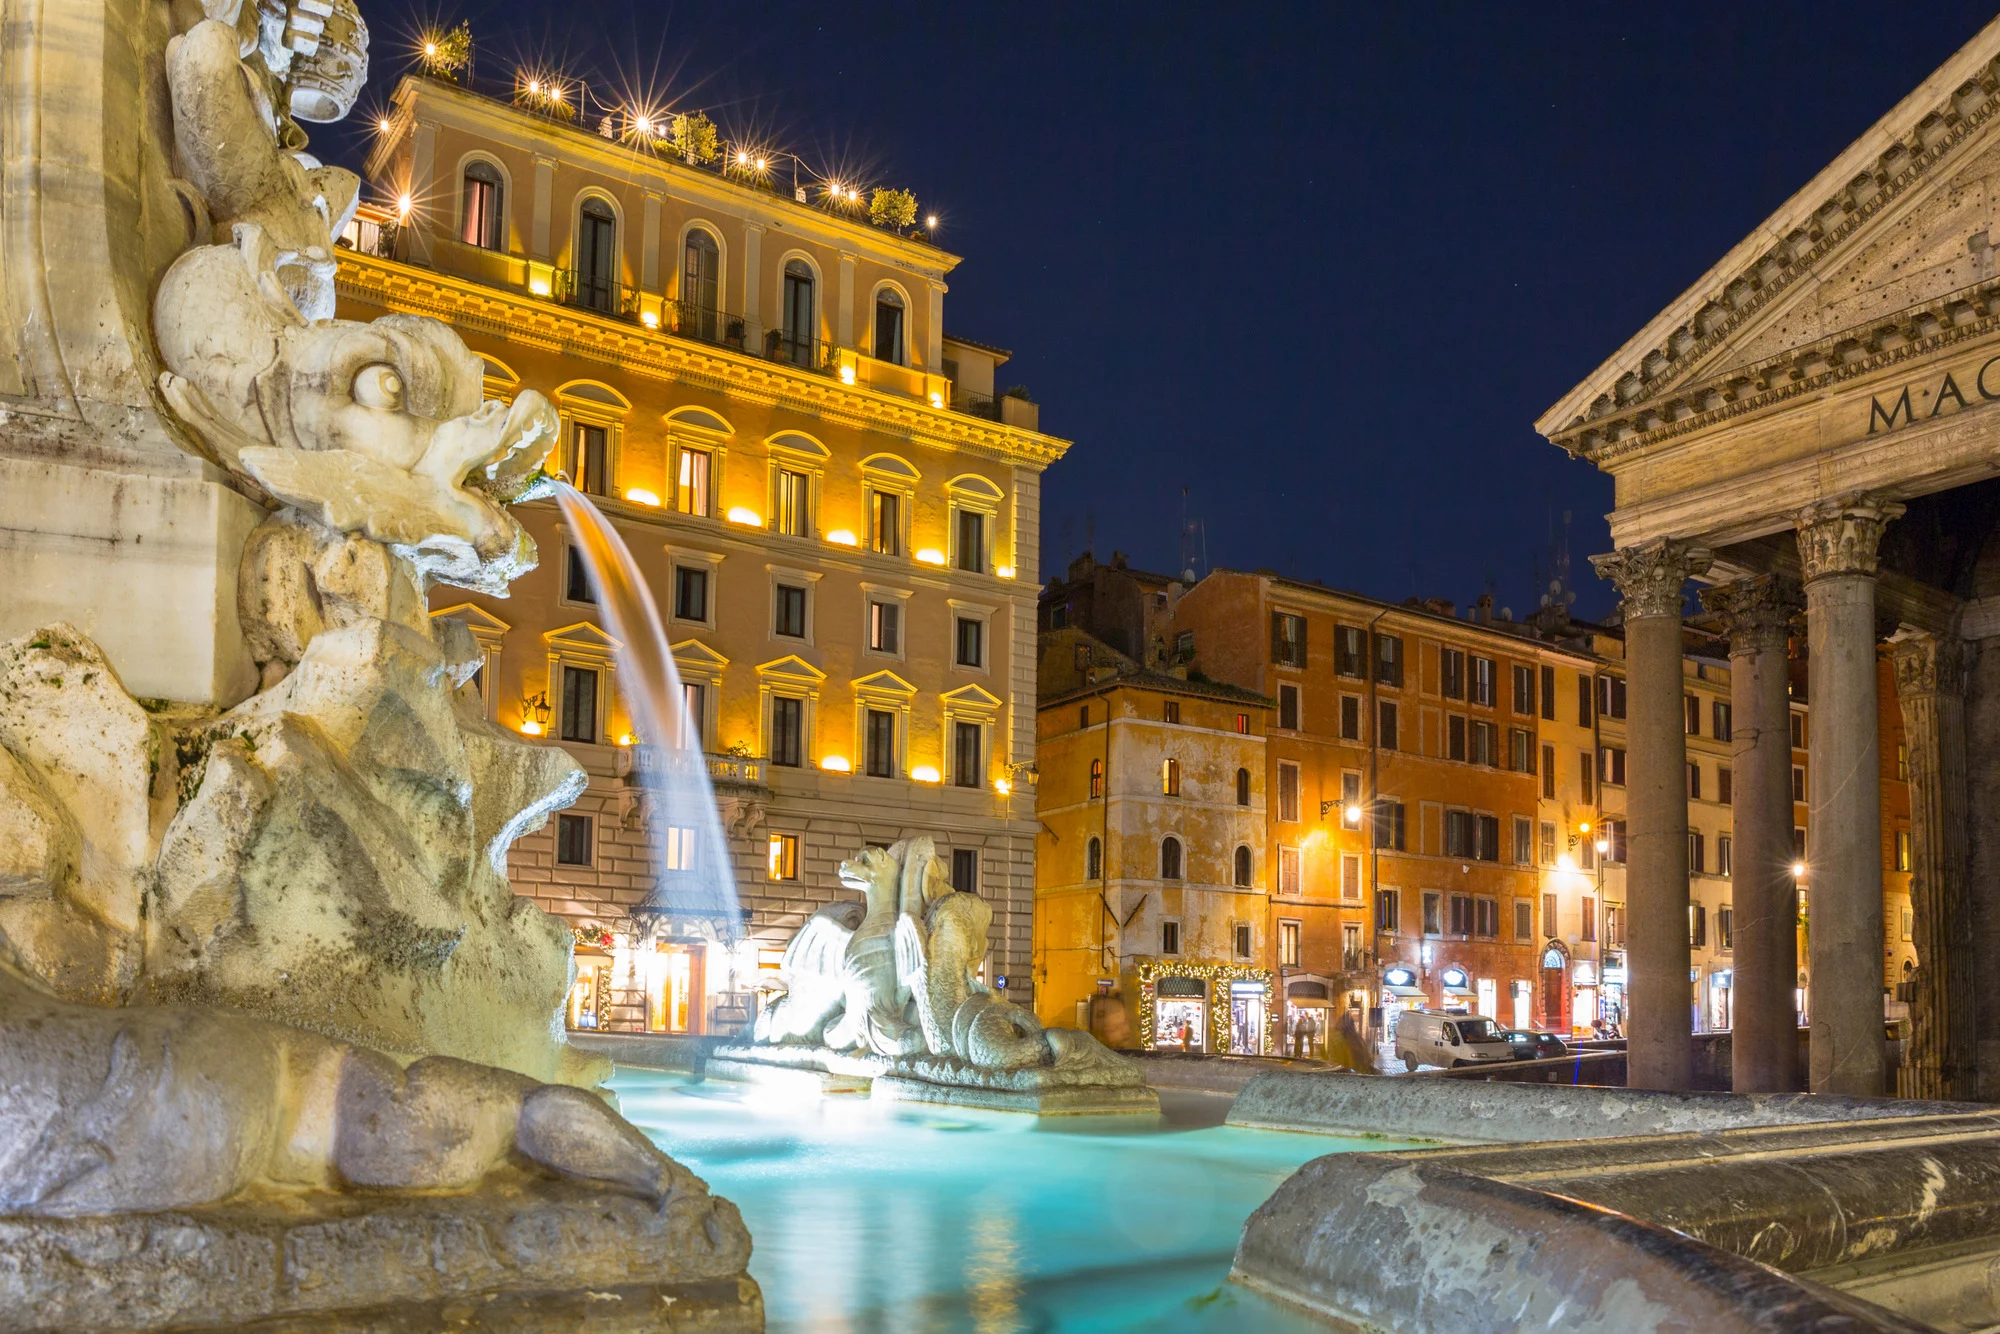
point(903, 1220)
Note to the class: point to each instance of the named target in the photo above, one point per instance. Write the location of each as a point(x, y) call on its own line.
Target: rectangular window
point(965, 870)
point(1433, 913)
point(1524, 690)
point(1587, 918)
point(788, 728)
point(1694, 781)
point(1288, 791)
point(1288, 639)
point(1243, 723)
point(1350, 717)
point(1725, 928)
point(1484, 673)
point(1461, 918)
point(1454, 730)
point(694, 481)
point(1725, 854)
point(1241, 933)
point(793, 508)
point(1388, 911)
point(1549, 773)
point(1524, 920)
point(1489, 838)
point(1697, 925)
point(1586, 765)
point(1350, 947)
point(1170, 937)
point(881, 741)
point(482, 209)
point(694, 715)
point(1385, 727)
point(1486, 917)
point(1291, 871)
point(579, 704)
point(1288, 944)
point(1548, 842)
point(885, 620)
point(1902, 849)
point(1172, 711)
point(1611, 696)
point(680, 848)
point(1184, 645)
point(1520, 750)
point(576, 578)
point(1722, 720)
point(971, 642)
point(1350, 877)
point(590, 460)
point(1614, 841)
point(573, 840)
point(1549, 693)
point(1798, 731)
point(783, 861)
point(1170, 778)
point(1451, 673)
point(1697, 853)
point(1288, 706)
point(1389, 661)
point(1692, 706)
point(1614, 926)
point(1725, 784)
point(1524, 841)
point(1389, 825)
point(972, 541)
point(690, 593)
point(1485, 744)
point(1902, 763)
point(790, 617)
point(885, 523)
point(1350, 800)
point(1349, 647)
point(1798, 844)
point(1799, 784)
point(966, 770)
point(1611, 766)
point(1551, 927)
point(1460, 834)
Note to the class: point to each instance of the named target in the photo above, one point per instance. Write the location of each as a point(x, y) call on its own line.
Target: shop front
point(1583, 988)
point(1308, 1014)
point(1720, 1013)
point(1206, 1007)
point(1611, 992)
point(1555, 987)
point(1521, 1003)
point(1400, 992)
point(643, 986)
point(1459, 993)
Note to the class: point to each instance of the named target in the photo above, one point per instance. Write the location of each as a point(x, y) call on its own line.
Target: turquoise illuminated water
point(870, 1217)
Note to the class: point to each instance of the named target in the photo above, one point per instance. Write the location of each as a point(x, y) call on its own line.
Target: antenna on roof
point(1194, 544)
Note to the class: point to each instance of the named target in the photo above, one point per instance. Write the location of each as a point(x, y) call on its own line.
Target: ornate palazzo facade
point(1813, 423)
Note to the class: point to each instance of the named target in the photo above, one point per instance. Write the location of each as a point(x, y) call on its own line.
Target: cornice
point(532, 322)
point(1899, 153)
point(1857, 352)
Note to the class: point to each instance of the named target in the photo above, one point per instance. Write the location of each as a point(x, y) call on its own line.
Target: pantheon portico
point(1812, 431)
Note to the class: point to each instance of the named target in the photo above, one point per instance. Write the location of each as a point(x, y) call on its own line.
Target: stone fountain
point(277, 1041)
point(884, 994)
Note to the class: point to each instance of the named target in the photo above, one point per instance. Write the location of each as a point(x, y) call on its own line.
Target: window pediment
point(972, 697)
point(582, 641)
point(692, 653)
point(884, 683)
point(477, 619)
point(791, 667)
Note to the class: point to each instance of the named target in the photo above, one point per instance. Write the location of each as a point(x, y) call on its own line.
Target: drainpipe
point(1374, 790)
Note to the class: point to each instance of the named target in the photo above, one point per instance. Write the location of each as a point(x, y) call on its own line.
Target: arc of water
point(684, 830)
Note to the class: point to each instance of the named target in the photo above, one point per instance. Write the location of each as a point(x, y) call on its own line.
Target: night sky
point(1319, 266)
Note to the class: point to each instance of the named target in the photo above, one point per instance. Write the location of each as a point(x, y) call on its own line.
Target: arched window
point(701, 285)
point(1243, 868)
point(1170, 858)
point(1170, 778)
point(795, 344)
point(482, 225)
point(1242, 787)
point(889, 325)
point(1097, 778)
point(597, 257)
point(1093, 860)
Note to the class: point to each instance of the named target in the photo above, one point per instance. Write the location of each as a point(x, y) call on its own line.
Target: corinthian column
point(1837, 548)
point(1757, 616)
point(1930, 686)
point(1659, 1035)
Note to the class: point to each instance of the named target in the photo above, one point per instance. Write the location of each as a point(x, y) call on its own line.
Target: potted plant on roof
point(892, 208)
point(695, 138)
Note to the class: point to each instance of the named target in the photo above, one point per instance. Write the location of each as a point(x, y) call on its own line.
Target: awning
point(1407, 993)
point(1310, 1003)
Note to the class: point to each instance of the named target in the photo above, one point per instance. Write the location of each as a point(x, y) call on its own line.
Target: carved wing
point(913, 972)
point(821, 943)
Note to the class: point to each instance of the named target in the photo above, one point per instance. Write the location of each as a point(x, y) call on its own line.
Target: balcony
point(606, 296)
point(638, 765)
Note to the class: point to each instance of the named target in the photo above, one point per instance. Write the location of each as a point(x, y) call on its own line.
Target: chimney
point(1483, 609)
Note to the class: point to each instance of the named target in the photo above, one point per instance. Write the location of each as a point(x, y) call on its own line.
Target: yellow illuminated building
point(835, 512)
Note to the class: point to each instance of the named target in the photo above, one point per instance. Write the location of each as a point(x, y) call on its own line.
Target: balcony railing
point(638, 764)
point(606, 296)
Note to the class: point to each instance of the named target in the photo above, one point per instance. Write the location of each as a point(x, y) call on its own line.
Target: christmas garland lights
point(1149, 970)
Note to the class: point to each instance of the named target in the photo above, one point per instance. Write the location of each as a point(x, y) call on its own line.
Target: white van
point(1427, 1038)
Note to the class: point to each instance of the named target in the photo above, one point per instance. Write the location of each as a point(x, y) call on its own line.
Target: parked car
point(1426, 1038)
point(1530, 1045)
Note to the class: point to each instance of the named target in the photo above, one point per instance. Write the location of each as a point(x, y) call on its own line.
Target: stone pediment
point(883, 683)
point(476, 618)
point(694, 653)
point(973, 697)
point(793, 666)
point(582, 635)
point(1900, 219)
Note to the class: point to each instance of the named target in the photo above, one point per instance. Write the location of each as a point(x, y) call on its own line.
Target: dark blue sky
point(1321, 265)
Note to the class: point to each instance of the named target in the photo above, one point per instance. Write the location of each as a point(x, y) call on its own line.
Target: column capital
point(1928, 664)
point(1757, 613)
point(1842, 536)
point(1650, 576)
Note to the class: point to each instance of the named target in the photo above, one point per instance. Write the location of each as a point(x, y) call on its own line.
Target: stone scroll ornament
point(1652, 577)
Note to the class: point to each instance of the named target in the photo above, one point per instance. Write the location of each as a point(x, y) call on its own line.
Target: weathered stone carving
point(889, 989)
point(1840, 537)
point(1651, 577)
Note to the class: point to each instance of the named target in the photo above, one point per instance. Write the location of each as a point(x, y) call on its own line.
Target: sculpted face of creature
point(871, 868)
